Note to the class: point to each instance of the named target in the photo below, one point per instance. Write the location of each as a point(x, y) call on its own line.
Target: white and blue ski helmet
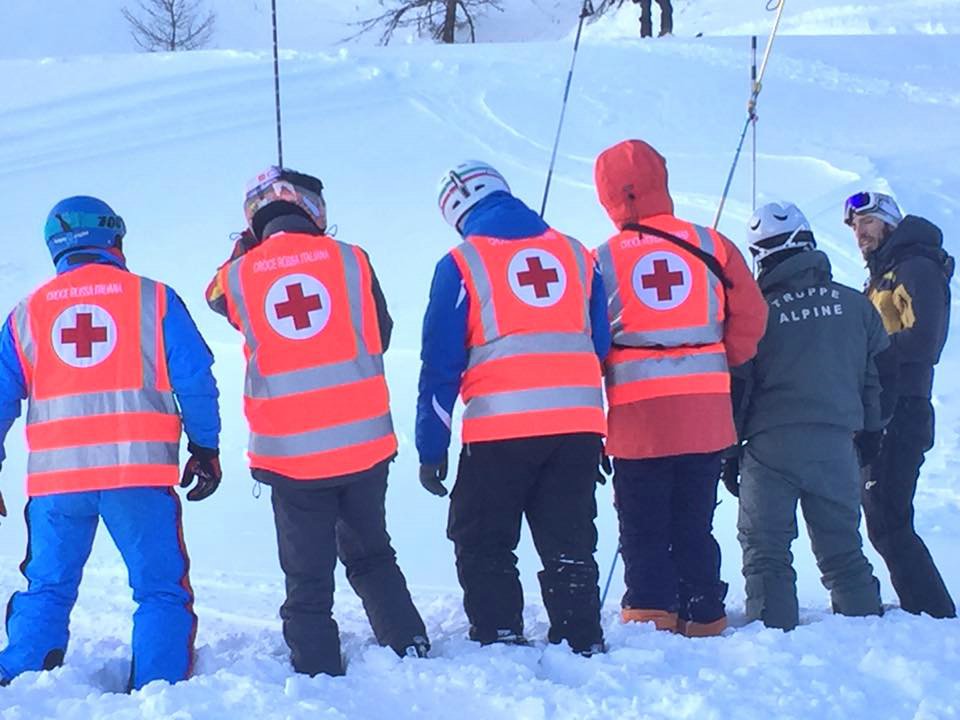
point(463, 186)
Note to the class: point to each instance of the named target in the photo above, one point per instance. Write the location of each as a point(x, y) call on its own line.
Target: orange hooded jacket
point(631, 181)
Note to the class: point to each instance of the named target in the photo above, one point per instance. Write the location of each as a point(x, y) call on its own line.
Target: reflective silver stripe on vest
point(716, 291)
point(105, 403)
point(316, 441)
point(530, 344)
point(106, 455)
point(585, 279)
point(706, 334)
point(484, 289)
point(653, 368)
point(235, 293)
point(148, 331)
point(363, 367)
point(351, 273)
point(522, 401)
point(21, 322)
point(612, 288)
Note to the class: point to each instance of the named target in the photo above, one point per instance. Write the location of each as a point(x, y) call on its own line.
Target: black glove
point(432, 476)
point(244, 242)
point(868, 444)
point(605, 470)
point(204, 467)
point(730, 475)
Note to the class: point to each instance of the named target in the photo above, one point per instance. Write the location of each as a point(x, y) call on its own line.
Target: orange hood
point(631, 180)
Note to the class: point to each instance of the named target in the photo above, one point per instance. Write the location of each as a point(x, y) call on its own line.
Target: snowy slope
point(170, 141)
point(64, 28)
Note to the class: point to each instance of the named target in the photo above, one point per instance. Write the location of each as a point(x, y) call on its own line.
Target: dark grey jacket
point(816, 362)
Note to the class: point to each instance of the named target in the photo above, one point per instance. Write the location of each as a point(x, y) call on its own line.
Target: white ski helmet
point(464, 186)
point(776, 227)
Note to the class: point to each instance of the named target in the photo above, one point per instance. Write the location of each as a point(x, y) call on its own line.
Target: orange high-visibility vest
point(101, 410)
point(532, 368)
point(666, 312)
point(315, 396)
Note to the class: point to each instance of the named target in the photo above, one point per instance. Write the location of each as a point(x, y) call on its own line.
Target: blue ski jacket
point(189, 362)
point(444, 345)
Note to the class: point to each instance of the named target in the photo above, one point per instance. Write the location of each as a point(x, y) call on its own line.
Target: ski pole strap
point(713, 265)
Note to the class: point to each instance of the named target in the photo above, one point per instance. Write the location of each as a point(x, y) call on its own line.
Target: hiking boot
point(691, 629)
point(661, 619)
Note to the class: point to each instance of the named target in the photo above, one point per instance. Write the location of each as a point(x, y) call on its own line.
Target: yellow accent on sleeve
point(904, 305)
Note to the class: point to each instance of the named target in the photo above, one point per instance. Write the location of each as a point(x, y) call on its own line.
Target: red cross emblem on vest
point(298, 306)
point(84, 335)
point(662, 280)
point(537, 277)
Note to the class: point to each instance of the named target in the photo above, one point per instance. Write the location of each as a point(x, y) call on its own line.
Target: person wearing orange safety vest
point(315, 327)
point(516, 326)
point(683, 307)
point(110, 364)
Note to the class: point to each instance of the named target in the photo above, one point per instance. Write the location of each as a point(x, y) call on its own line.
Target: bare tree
point(439, 19)
point(169, 24)
point(606, 5)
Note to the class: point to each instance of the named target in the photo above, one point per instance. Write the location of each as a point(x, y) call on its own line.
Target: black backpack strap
point(713, 265)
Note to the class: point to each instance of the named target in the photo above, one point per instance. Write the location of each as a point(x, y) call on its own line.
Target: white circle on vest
point(298, 306)
point(84, 335)
point(537, 277)
point(662, 280)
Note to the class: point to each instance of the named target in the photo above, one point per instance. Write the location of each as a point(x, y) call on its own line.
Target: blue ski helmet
point(82, 222)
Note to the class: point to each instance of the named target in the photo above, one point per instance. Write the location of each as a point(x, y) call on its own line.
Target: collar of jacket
point(91, 256)
point(914, 237)
point(503, 216)
point(290, 223)
point(800, 271)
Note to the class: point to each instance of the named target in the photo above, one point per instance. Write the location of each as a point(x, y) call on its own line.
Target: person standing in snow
point(811, 389)
point(315, 327)
point(516, 325)
point(646, 17)
point(110, 363)
point(909, 284)
point(682, 308)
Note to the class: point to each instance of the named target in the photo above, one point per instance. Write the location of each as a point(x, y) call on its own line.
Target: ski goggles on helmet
point(281, 184)
point(871, 203)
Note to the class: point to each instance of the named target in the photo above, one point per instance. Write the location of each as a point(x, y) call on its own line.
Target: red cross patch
point(298, 306)
point(537, 277)
point(84, 335)
point(662, 280)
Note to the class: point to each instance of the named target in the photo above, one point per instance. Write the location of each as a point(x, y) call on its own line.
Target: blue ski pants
point(145, 524)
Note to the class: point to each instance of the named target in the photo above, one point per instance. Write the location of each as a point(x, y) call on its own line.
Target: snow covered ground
point(169, 141)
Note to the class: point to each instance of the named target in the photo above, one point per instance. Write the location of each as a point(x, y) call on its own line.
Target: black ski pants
point(671, 559)
point(646, 17)
point(314, 527)
point(550, 480)
point(888, 491)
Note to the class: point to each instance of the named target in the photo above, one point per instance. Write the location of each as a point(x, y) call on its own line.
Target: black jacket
point(910, 286)
point(816, 364)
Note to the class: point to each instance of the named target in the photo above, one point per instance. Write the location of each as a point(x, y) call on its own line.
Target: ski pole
point(606, 588)
point(585, 12)
point(276, 85)
point(753, 82)
point(772, 5)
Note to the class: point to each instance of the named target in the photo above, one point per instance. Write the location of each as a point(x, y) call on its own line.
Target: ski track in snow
point(170, 140)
